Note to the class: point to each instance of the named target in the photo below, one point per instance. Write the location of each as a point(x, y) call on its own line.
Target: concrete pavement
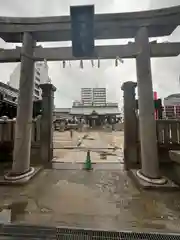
point(99, 199)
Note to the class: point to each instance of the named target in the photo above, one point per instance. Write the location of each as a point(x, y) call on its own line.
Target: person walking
point(113, 123)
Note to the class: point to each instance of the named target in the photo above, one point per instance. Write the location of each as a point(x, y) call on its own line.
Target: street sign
point(82, 30)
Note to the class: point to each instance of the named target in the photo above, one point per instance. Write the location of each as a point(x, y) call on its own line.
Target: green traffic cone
point(88, 163)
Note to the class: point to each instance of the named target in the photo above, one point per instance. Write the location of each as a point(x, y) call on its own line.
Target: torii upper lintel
point(161, 22)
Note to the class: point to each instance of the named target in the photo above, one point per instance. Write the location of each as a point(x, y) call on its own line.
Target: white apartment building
point(40, 76)
point(93, 96)
point(99, 96)
point(86, 96)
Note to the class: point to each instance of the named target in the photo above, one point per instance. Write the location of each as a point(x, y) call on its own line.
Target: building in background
point(96, 115)
point(8, 100)
point(62, 113)
point(99, 96)
point(8, 93)
point(94, 107)
point(40, 76)
point(86, 96)
point(172, 106)
point(93, 96)
point(77, 103)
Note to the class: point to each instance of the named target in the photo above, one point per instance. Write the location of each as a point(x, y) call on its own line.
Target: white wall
point(44, 76)
point(172, 101)
point(15, 76)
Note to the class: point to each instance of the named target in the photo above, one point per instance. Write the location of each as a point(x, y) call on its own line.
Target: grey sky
point(69, 80)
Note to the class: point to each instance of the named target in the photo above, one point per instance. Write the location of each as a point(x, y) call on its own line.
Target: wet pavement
point(96, 199)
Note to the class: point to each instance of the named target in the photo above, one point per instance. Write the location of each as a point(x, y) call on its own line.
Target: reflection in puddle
point(5, 216)
point(9, 213)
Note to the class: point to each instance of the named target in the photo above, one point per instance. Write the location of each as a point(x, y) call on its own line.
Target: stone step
point(77, 166)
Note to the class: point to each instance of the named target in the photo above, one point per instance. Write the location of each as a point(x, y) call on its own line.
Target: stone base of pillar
point(157, 181)
point(20, 179)
point(158, 184)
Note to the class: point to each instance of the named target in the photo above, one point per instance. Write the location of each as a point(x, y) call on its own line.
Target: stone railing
point(7, 134)
point(7, 130)
point(168, 132)
point(168, 138)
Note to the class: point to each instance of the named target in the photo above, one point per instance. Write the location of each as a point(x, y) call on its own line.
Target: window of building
point(36, 85)
point(177, 111)
point(36, 92)
point(38, 73)
point(36, 98)
point(37, 78)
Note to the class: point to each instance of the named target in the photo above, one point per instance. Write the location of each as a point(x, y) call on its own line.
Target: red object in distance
point(155, 112)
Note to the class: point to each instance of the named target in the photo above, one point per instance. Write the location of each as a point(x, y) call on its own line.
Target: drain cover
point(27, 232)
point(80, 234)
point(12, 232)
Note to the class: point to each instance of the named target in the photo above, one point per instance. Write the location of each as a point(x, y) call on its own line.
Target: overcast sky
point(70, 80)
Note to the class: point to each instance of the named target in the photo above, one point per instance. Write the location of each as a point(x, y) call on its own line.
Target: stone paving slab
point(100, 139)
point(75, 156)
point(80, 166)
point(100, 142)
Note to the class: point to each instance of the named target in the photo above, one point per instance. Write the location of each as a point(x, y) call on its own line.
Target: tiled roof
point(6, 86)
point(98, 110)
point(8, 92)
point(62, 110)
point(176, 95)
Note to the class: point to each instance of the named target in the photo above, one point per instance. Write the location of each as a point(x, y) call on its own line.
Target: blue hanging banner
point(82, 30)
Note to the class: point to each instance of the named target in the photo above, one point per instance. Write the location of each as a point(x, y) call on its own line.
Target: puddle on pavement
point(10, 212)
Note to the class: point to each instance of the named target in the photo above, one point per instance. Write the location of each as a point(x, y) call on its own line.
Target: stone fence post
point(130, 125)
point(46, 135)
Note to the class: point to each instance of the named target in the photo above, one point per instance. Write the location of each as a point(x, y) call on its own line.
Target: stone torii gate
point(138, 25)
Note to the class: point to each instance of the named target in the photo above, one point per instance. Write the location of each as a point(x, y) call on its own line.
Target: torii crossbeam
point(101, 52)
